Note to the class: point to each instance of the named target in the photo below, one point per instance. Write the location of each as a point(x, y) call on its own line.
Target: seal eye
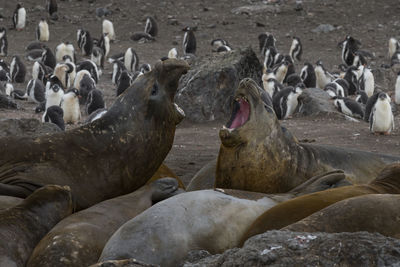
point(154, 90)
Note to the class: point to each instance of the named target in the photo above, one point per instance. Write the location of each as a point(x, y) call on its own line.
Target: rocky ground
point(239, 22)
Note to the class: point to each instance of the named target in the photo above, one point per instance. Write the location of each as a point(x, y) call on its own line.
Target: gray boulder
point(206, 91)
point(284, 248)
point(315, 101)
point(26, 127)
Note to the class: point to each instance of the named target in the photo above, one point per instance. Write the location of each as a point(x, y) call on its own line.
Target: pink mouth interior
point(242, 115)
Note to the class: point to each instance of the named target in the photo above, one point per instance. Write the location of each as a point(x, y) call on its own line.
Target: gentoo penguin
point(42, 31)
point(220, 45)
point(269, 57)
point(189, 41)
point(144, 68)
point(19, 17)
point(34, 55)
point(6, 89)
point(280, 70)
point(370, 105)
point(70, 106)
point(151, 26)
point(285, 101)
point(293, 79)
point(361, 97)
point(336, 89)
point(323, 77)
point(131, 60)
point(307, 74)
point(394, 46)
point(3, 42)
point(359, 59)
point(119, 56)
point(54, 114)
point(35, 91)
point(4, 76)
point(4, 66)
point(173, 53)
point(349, 47)
point(17, 70)
point(104, 43)
point(118, 68)
point(85, 42)
point(94, 101)
point(108, 29)
point(40, 71)
point(63, 72)
point(91, 67)
point(97, 57)
point(351, 76)
point(51, 7)
point(142, 37)
point(348, 106)
point(296, 49)
point(271, 86)
point(54, 94)
point(366, 81)
point(381, 119)
point(397, 90)
point(79, 76)
point(266, 40)
point(35, 45)
point(63, 49)
point(124, 82)
point(48, 58)
point(224, 48)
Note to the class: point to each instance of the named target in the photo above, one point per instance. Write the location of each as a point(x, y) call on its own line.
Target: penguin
point(370, 105)
point(366, 81)
point(35, 91)
point(224, 48)
point(271, 86)
point(268, 73)
point(94, 101)
point(54, 114)
point(173, 53)
point(381, 119)
point(7, 89)
point(17, 70)
point(335, 89)
point(40, 71)
point(291, 68)
point(142, 37)
point(64, 72)
point(285, 101)
point(54, 94)
point(71, 72)
point(308, 76)
point(35, 45)
point(144, 68)
point(359, 59)
point(266, 40)
point(344, 84)
point(118, 68)
point(19, 17)
point(124, 82)
point(4, 66)
point(397, 90)
point(3, 42)
point(296, 49)
point(42, 31)
point(269, 57)
point(48, 58)
point(34, 55)
point(348, 106)
point(323, 77)
point(97, 57)
point(361, 97)
point(85, 42)
point(394, 46)
point(293, 79)
point(104, 44)
point(79, 75)
point(349, 46)
point(151, 26)
point(351, 77)
point(70, 106)
point(19, 94)
point(119, 56)
point(96, 115)
point(108, 29)
point(280, 71)
point(86, 85)
point(4, 76)
point(220, 45)
point(63, 49)
point(51, 7)
point(91, 67)
point(189, 41)
point(131, 60)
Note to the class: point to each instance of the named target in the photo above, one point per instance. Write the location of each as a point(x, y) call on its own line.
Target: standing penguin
point(104, 43)
point(397, 90)
point(42, 31)
point(144, 68)
point(307, 74)
point(361, 97)
point(118, 68)
point(40, 71)
point(70, 106)
point(349, 47)
point(124, 82)
point(336, 88)
point(322, 76)
point(94, 101)
point(280, 70)
point(285, 101)
point(381, 119)
point(366, 81)
point(97, 57)
point(51, 7)
point(54, 92)
point(19, 17)
point(65, 48)
point(3, 42)
point(91, 67)
point(131, 60)
point(394, 46)
point(266, 40)
point(108, 29)
point(48, 58)
point(189, 41)
point(54, 114)
point(85, 42)
point(17, 70)
point(296, 49)
point(151, 26)
point(351, 76)
point(348, 106)
point(271, 85)
point(35, 91)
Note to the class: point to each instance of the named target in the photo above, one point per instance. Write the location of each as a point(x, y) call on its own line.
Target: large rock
point(26, 127)
point(206, 92)
point(283, 248)
point(315, 101)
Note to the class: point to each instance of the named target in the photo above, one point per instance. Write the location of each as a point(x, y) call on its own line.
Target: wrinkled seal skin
point(372, 213)
point(296, 209)
point(22, 226)
point(9, 202)
point(264, 157)
point(79, 239)
point(112, 156)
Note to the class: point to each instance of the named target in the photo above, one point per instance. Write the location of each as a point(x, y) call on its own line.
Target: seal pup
point(308, 76)
point(285, 101)
point(323, 77)
point(296, 49)
point(85, 42)
point(48, 58)
point(108, 30)
point(54, 114)
point(94, 101)
point(24, 225)
point(151, 26)
point(189, 41)
point(79, 239)
point(19, 17)
point(131, 60)
point(42, 31)
point(51, 7)
point(3, 42)
point(17, 70)
point(35, 91)
point(348, 106)
point(381, 119)
point(394, 46)
point(70, 106)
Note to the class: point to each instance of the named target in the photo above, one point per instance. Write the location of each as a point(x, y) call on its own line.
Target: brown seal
point(22, 226)
point(8, 202)
point(296, 209)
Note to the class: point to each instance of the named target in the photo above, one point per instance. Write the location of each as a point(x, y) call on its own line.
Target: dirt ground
point(372, 22)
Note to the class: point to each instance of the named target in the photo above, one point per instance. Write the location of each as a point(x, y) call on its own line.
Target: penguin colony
point(67, 76)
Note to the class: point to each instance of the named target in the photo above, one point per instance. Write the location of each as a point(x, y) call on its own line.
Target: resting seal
point(22, 226)
point(257, 154)
point(108, 157)
point(296, 209)
point(79, 239)
point(372, 213)
point(8, 202)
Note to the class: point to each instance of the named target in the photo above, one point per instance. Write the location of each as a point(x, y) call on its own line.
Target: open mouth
point(240, 113)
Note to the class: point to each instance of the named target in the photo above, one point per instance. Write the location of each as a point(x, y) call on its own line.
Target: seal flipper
point(18, 187)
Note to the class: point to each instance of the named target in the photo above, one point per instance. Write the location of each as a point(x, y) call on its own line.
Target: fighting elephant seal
point(22, 226)
point(79, 239)
point(257, 154)
point(108, 157)
point(296, 209)
point(376, 213)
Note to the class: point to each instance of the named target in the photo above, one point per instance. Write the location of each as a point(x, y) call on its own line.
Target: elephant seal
point(372, 213)
point(206, 219)
point(296, 209)
point(257, 154)
point(79, 239)
point(123, 263)
point(8, 202)
point(164, 171)
point(108, 157)
point(22, 226)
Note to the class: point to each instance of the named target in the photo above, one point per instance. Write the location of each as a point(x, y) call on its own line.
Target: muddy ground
point(372, 22)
